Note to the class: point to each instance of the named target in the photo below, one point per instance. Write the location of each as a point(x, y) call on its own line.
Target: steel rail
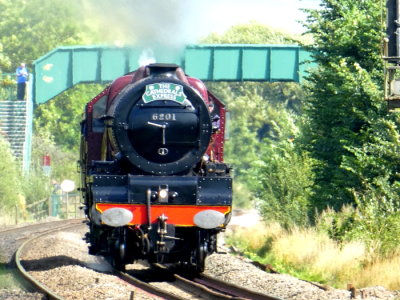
point(25, 274)
point(52, 295)
point(213, 288)
point(203, 290)
point(230, 288)
point(32, 226)
point(196, 289)
point(146, 286)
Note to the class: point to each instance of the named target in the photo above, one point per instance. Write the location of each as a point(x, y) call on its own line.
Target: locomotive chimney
point(157, 69)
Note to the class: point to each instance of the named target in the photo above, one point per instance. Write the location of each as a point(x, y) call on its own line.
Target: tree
point(10, 184)
point(261, 130)
point(5, 62)
point(347, 29)
point(29, 29)
point(344, 93)
point(252, 33)
point(60, 117)
point(284, 180)
point(38, 185)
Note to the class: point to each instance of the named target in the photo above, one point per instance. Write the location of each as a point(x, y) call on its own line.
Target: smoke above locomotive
point(157, 28)
point(154, 181)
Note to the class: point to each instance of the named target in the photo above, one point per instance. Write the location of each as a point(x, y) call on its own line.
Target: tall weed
point(311, 254)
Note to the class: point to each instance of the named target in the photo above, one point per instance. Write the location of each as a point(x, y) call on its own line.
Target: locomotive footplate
point(166, 190)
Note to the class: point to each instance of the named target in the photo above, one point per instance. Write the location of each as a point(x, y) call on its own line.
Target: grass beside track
point(7, 278)
point(312, 255)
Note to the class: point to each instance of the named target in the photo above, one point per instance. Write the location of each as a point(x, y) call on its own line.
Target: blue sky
point(280, 14)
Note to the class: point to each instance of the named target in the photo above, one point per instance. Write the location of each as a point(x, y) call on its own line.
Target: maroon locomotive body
point(154, 182)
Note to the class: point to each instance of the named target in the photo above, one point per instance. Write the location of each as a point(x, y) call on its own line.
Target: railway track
point(11, 238)
point(59, 225)
point(202, 287)
point(232, 289)
point(40, 227)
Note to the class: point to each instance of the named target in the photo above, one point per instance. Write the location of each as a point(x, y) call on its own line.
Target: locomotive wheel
point(118, 256)
point(201, 253)
point(200, 259)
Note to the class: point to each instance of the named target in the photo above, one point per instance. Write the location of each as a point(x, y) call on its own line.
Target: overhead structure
point(246, 62)
point(393, 28)
point(391, 54)
point(65, 67)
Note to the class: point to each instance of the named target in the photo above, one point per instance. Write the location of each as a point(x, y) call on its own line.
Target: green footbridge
point(65, 67)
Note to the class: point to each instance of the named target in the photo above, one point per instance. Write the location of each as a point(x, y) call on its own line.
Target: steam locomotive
point(154, 183)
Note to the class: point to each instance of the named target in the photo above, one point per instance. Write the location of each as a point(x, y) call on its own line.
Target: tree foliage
point(5, 62)
point(345, 96)
point(28, 30)
point(283, 179)
point(37, 185)
point(262, 127)
point(252, 33)
point(347, 128)
point(259, 116)
point(347, 29)
point(10, 183)
point(31, 28)
point(61, 116)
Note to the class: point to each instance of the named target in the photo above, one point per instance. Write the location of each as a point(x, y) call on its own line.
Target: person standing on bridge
point(22, 78)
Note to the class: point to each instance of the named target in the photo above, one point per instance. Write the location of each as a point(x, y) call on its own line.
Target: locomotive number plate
point(163, 117)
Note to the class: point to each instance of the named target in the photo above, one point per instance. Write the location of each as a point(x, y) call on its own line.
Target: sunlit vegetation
point(10, 183)
point(7, 280)
point(310, 254)
point(320, 158)
point(333, 174)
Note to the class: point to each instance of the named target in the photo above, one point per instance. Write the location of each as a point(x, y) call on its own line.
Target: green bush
point(284, 179)
point(375, 222)
point(10, 183)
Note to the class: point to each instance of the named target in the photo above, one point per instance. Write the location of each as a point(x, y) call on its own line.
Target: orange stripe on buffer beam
point(179, 215)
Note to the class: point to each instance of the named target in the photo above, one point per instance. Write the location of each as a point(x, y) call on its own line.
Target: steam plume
point(164, 26)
